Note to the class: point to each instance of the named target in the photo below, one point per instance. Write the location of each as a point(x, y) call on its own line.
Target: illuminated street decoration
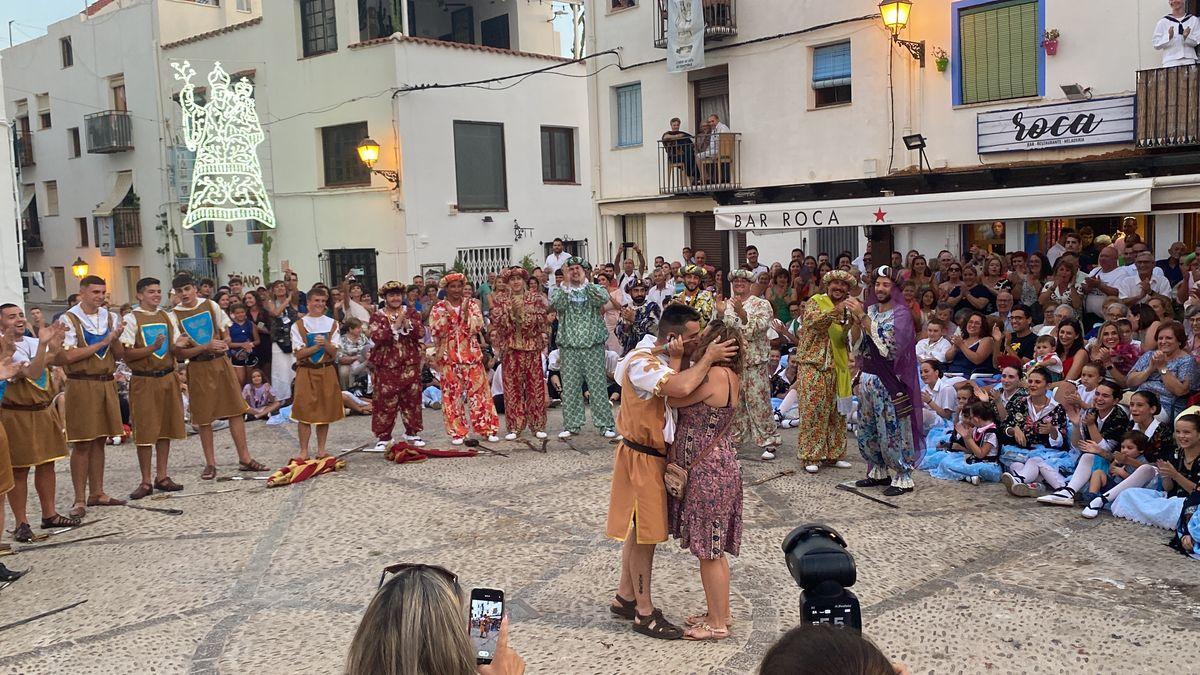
point(224, 133)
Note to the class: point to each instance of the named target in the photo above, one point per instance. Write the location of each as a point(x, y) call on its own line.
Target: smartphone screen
point(487, 610)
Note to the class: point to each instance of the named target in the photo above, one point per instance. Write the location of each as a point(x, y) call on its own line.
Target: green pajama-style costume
point(581, 337)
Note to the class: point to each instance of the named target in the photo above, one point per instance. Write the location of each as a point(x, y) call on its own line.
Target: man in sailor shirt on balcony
point(1177, 35)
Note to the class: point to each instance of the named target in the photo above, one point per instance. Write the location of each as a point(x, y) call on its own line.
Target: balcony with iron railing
point(720, 20)
point(709, 163)
point(1168, 107)
point(31, 231)
point(200, 268)
point(127, 226)
point(109, 131)
point(23, 148)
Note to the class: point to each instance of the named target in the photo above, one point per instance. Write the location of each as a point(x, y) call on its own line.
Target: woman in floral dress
point(707, 520)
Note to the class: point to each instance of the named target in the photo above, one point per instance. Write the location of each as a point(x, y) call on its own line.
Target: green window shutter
point(998, 45)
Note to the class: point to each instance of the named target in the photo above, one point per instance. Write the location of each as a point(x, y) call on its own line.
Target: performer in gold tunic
point(8, 369)
point(89, 356)
point(34, 428)
point(155, 400)
point(317, 396)
point(637, 508)
point(203, 329)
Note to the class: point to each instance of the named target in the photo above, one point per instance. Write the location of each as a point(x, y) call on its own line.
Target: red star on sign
point(879, 215)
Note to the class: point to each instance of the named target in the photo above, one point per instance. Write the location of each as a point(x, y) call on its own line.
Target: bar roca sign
point(1098, 121)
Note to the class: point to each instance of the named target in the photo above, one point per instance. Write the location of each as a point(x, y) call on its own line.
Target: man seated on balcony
point(680, 149)
point(1177, 35)
point(708, 147)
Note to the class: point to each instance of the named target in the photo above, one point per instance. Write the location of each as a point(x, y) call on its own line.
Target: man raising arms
point(751, 316)
point(155, 401)
point(455, 323)
point(637, 509)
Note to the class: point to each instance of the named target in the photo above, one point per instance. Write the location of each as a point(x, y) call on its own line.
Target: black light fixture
point(487, 220)
point(1077, 92)
point(518, 231)
point(894, 14)
point(917, 142)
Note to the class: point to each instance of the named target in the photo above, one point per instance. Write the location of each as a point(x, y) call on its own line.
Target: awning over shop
point(1102, 198)
point(120, 188)
point(629, 207)
point(27, 193)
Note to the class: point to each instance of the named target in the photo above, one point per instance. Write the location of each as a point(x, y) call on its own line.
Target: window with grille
point(378, 18)
point(831, 74)
point(479, 166)
point(68, 53)
point(558, 155)
point(318, 27)
point(339, 148)
point(997, 51)
point(480, 261)
point(628, 99)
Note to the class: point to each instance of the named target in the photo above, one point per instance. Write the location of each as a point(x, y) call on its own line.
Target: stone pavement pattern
point(960, 579)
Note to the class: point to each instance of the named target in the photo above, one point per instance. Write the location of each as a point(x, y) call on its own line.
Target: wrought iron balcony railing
point(720, 20)
point(23, 148)
point(109, 131)
point(1168, 107)
point(707, 163)
point(127, 226)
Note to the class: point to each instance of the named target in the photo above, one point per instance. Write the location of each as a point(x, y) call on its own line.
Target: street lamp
point(368, 154)
point(895, 18)
point(79, 268)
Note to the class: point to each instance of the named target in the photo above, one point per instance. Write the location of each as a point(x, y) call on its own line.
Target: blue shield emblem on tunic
point(310, 340)
point(199, 327)
point(150, 333)
point(91, 339)
point(43, 381)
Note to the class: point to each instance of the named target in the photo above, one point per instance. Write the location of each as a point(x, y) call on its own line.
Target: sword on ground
point(43, 615)
point(860, 493)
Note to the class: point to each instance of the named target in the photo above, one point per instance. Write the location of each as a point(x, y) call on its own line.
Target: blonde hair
point(415, 625)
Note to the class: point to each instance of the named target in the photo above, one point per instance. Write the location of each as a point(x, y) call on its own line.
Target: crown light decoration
point(227, 182)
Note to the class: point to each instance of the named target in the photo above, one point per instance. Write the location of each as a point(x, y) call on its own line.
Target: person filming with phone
point(418, 624)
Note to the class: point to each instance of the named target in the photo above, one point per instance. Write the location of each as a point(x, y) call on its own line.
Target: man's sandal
point(705, 632)
point(253, 465)
point(105, 501)
point(656, 626)
point(625, 609)
point(59, 520)
point(165, 484)
point(143, 490)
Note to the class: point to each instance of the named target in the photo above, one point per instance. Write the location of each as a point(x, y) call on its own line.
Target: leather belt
point(92, 378)
point(200, 358)
point(37, 407)
point(153, 373)
point(315, 366)
point(644, 449)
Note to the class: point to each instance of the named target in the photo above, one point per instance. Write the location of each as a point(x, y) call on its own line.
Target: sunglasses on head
point(397, 568)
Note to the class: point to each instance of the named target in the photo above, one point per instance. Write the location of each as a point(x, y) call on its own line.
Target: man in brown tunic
point(637, 509)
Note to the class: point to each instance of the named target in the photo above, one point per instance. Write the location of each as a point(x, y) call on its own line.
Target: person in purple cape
point(890, 434)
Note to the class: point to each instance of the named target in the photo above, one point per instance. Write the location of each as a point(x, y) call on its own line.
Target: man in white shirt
point(715, 128)
point(557, 258)
point(756, 268)
point(1058, 249)
point(628, 271)
point(1138, 288)
point(935, 345)
point(660, 292)
point(1103, 280)
point(1177, 35)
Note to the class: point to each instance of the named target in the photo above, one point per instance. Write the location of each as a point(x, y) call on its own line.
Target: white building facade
point(11, 251)
point(486, 174)
point(818, 101)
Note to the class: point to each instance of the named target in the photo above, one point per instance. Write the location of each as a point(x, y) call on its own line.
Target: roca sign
point(1094, 122)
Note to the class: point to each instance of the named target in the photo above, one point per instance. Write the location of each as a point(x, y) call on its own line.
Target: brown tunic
point(316, 393)
point(31, 422)
point(155, 400)
point(639, 498)
point(6, 474)
point(92, 405)
point(213, 391)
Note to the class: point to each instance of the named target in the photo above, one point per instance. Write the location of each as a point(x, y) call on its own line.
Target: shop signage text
point(783, 219)
point(1106, 120)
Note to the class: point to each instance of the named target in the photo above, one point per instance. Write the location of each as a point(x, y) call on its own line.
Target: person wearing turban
point(694, 296)
point(751, 316)
point(581, 338)
point(396, 332)
point(519, 334)
point(455, 322)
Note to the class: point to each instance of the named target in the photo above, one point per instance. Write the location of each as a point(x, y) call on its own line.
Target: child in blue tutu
point(975, 455)
point(1180, 476)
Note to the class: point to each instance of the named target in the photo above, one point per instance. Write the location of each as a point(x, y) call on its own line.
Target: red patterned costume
point(396, 357)
point(461, 360)
point(518, 331)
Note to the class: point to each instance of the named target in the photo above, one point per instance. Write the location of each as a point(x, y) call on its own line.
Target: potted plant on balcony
point(1050, 41)
point(216, 256)
point(941, 58)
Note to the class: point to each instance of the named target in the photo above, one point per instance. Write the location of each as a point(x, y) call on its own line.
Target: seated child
point(1103, 484)
point(258, 395)
point(1045, 356)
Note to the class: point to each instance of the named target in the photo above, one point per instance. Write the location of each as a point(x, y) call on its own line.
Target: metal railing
point(480, 261)
point(109, 131)
point(720, 20)
point(200, 268)
point(23, 148)
point(1168, 107)
point(127, 226)
point(31, 230)
point(708, 163)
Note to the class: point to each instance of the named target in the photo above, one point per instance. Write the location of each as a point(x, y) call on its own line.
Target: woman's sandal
point(209, 473)
point(625, 609)
point(106, 501)
point(705, 632)
point(59, 520)
point(701, 619)
point(656, 626)
point(253, 465)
